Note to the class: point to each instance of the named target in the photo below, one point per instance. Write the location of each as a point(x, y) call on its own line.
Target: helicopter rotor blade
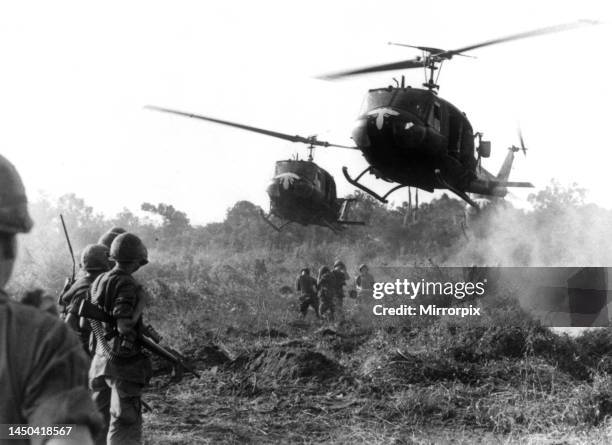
point(429, 49)
point(312, 140)
point(522, 35)
point(438, 54)
point(405, 64)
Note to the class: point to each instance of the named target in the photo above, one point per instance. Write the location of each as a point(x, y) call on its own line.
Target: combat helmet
point(95, 257)
point(14, 217)
point(107, 238)
point(127, 247)
point(339, 263)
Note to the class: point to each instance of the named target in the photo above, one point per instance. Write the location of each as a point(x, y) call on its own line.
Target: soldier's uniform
point(307, 286)
point(260, 270)
point(364, 283)
point(94, 261)
point(43, 369)
point(326, 289)
point(120, 369)
point(340, 279)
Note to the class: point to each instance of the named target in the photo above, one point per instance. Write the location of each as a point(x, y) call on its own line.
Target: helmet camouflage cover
point(127, 247)
point(14, 217)
point(95, 257)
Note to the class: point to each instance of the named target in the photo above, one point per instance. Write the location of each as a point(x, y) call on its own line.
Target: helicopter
point(300, 191)
point(414, 138)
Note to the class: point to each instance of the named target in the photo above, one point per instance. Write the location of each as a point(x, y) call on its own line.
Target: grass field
point(269, 377)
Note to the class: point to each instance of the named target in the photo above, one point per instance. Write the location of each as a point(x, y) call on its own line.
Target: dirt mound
point(416, 368)
point(340, 342)
point(288, 364)
point(212, 355)
point(271, 333)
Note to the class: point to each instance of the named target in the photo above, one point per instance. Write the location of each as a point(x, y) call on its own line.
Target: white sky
point(75, 76)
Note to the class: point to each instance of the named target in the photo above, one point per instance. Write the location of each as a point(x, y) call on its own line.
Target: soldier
point(120, 370)
point(364, 283)
point(107, 238)
point(307, 286)
point(94, 261)
point(43, 370)
point(340, 279)
point(39, 299)
point(260, 270)
point(326, 288)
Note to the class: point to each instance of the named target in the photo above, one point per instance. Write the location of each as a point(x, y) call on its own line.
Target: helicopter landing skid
point(455, 190)
point(369, 191)
point(271, 224)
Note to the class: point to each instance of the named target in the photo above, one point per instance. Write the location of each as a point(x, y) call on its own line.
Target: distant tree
point(84, 225)
point(175, 224)
point(127, 220)
point(557, 197)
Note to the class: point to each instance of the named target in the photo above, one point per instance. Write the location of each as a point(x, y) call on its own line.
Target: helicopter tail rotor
point(522, 141)
point(522, 147)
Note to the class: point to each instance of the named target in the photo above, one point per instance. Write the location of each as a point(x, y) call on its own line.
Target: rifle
point(148, 338)
point(70, 280)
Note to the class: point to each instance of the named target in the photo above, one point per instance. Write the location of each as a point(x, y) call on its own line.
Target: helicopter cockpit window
point(409, 101)
point(435, 116)
point(376, 99)
point(303, 169)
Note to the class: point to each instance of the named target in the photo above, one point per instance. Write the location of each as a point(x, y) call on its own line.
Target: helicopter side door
point(437, 123)
point(455, 132)
point(467, 145)
point(435, 116)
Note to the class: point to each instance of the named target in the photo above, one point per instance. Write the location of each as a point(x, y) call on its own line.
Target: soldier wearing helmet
point(326, 286)
point(107, 238)
point(43, 370)
point(364, 283)
point(94, 261)
point(307, 287)
point(340, 279)
point(121, 374)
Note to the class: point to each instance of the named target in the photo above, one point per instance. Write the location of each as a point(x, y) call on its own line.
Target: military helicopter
point(414, 138)
point(300, 191)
